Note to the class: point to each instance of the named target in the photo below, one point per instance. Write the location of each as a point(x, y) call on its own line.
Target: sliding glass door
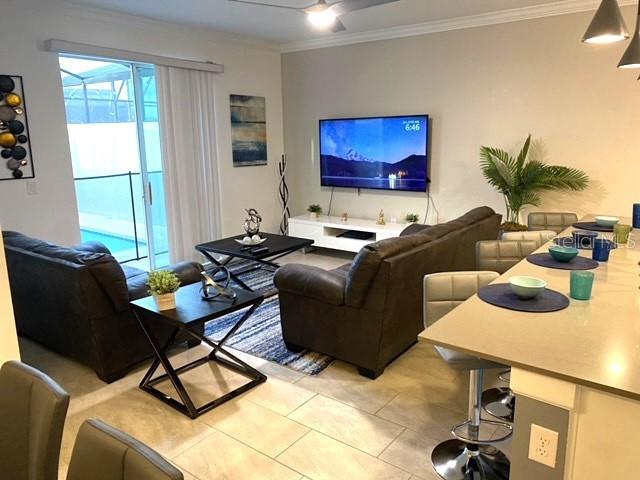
point(112, 119)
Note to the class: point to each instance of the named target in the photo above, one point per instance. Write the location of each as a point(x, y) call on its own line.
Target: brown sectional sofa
point(369, 312)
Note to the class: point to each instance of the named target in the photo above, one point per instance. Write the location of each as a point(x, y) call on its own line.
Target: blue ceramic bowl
point(563, 254)
point(527, 287)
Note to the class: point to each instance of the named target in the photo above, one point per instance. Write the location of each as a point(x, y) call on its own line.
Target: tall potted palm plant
point(520, 180)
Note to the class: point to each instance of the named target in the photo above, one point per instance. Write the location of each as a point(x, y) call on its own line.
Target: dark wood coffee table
point(278, 245)
point(192, 311)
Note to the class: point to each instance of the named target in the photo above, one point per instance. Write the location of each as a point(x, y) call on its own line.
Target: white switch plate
point(32, 188)
point(543, 445)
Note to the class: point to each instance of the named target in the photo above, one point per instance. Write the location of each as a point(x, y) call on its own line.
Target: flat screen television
point(385, 153)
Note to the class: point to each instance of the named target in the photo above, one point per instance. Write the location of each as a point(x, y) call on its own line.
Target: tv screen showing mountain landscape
point(381, 153)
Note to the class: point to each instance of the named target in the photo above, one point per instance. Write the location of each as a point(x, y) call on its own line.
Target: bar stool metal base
point(500, 403)
point(457, 460)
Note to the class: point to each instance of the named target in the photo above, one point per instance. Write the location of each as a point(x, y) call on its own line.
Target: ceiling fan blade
point(285, 7)
point(346, 6)
point(338, 26)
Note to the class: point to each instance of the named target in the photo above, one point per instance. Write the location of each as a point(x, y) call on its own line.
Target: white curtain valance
point(72, 48)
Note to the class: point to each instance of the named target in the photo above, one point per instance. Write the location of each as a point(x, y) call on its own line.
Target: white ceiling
point(285, 27)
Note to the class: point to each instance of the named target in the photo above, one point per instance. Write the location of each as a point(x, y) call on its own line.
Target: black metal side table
point(192, 311)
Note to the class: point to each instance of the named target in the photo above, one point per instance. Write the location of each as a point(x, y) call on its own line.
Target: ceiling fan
point(325, 15)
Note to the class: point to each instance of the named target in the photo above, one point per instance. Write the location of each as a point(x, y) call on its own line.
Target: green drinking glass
point(581, 284)
point(621, 233)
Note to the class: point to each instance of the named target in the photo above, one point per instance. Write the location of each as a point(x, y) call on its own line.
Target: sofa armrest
point(187, 272)
point(312, 282)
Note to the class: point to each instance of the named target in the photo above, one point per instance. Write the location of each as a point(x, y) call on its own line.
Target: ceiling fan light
point(321, 19)
point(631, 57)
point(607, 25)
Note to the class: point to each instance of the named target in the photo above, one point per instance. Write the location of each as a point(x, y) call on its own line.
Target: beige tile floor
point(336, 425)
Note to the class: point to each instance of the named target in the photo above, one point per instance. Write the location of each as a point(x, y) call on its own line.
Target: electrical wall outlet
point(543, 445)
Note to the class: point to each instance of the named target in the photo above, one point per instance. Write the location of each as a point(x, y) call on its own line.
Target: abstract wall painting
point(248, 130)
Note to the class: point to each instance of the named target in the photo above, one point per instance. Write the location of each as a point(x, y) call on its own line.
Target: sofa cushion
point(18, 240)
point(92, 246)
point(105, 269)
point(415, 228)
point(367, 262)
point(475, 215)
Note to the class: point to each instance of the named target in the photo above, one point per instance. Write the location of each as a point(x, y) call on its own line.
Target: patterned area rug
point(261, 335)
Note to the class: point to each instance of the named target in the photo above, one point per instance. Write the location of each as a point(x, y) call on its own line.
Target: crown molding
point(563, 7)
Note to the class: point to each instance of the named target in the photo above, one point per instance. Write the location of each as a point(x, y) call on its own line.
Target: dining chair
point(556, 221)
point(470, 454)
point(501, 255)
point(102, 452)
point(539, 236)
point(33, 408)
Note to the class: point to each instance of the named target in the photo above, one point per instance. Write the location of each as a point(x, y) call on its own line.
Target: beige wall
point(249, 69)
point(482, 86)
point(8, 337)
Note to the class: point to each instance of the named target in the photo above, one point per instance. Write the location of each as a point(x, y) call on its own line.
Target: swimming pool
point(113, 242)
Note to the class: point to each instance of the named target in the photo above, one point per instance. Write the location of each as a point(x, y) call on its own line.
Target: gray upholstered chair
point(32, 411)
point(469, 454)
point(556, 221)
point(102, 452)
point(540, 236)
point(500, 255)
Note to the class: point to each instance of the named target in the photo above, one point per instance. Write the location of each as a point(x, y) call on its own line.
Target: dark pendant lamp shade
point(631, 57)
point(607, 25)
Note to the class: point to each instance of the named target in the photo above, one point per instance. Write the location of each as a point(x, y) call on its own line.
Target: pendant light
point(631, 57)
point(607, 25)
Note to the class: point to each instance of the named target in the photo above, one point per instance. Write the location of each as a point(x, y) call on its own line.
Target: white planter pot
point(165, 301)
point(314, 215)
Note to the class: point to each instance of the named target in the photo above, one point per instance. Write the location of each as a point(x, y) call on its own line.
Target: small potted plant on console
point(163, 285)
point(314, 211)
point(412, 218)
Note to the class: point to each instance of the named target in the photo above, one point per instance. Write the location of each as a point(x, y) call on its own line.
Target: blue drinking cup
point(636, 215)
point(601, 249)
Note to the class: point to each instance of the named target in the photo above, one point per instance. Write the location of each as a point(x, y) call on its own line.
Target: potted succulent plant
point(520, 180)
point(314, 210)
point(163, 285)
point(412, 218)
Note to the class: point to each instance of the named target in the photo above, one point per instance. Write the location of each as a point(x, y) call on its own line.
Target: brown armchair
point(370, 312)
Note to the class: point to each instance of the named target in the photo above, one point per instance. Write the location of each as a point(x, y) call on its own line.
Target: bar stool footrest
point(465, 432)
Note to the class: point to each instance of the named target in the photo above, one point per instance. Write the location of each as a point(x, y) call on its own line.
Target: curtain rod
point(72, 48)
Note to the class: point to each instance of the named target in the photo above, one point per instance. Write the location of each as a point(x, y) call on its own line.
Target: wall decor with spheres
point(15, 146)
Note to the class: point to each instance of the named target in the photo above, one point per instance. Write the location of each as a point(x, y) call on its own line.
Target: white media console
point(325, 231)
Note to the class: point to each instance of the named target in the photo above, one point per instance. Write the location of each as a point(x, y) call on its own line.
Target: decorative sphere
point(7, 139)
point(13, 99)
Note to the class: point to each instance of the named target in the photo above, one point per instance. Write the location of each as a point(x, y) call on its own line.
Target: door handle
point(150, 193)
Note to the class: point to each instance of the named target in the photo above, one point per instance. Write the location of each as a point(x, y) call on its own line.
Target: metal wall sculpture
point(283, 190)
point(15, 146)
